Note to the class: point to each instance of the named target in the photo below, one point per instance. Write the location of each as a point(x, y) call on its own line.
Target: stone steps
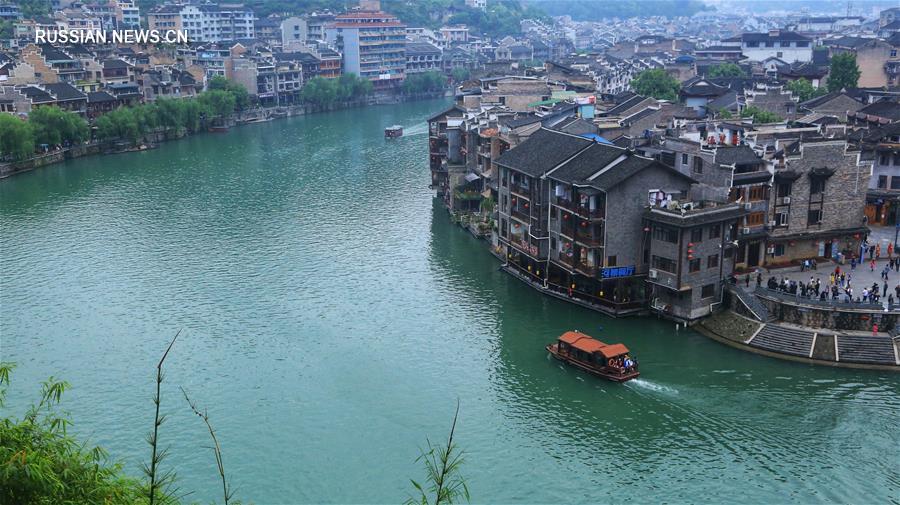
point(866, 349)
point(784, 340)
point(753, 304)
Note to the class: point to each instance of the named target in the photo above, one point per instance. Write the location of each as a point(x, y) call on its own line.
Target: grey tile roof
point(65, 91)
point(543, 151)
point(629, 167)
point(587, 163)
point(738, 155)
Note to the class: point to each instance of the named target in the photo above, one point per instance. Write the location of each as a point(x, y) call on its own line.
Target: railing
point(520, 190)
point(799, 299)
point(590, 271)
point(589, 240)
point(516, 213)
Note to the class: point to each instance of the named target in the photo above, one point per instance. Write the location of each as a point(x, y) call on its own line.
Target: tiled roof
point(738, 155)
point(64, 91)
point(587, 163)
point(629, 167)
point(543, 151)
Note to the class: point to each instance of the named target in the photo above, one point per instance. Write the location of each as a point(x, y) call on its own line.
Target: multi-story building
point(787, 46)
point(373, 45)
point(691, 253)
point(818, 203)
point(205, 22)
point(882, 146)
point(422, 57)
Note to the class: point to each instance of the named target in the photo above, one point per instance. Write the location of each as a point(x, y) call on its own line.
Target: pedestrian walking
point(747, 281)
point(875, 329)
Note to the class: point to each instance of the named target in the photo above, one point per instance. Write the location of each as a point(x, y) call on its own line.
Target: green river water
point(332, 316)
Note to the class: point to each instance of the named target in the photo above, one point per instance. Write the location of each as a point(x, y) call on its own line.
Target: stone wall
point(832, 317)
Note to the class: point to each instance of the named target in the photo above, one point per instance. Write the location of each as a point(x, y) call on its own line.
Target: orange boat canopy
point(588, 344)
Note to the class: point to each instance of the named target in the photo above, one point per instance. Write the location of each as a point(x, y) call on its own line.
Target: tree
point(240, 93)
point(16, 137)
point(41, 464)
point(53, 126)
point(804, 90)
point(460, 74)
point(320, 92)
point(760, 115)
point(424, 82)
point(723, 113)
point(844, 72)
point(657, 84)
point(219, 103)
point(725, 70)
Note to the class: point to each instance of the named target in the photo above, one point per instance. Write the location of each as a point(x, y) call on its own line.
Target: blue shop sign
point(613, 272)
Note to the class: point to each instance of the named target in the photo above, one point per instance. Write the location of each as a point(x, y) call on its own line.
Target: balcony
point(520, 190)
point(588, 270)
point(520, 214)
point(589, 239)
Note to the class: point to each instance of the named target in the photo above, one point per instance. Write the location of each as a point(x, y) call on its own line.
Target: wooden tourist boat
point(610, 361)
point(392, 132)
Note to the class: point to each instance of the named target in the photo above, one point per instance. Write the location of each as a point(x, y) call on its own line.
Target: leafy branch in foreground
point(161, 488)
point(226, 492)
point(442, 464)
point(40, 464)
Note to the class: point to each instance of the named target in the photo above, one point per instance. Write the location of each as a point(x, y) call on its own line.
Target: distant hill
point(595, 10)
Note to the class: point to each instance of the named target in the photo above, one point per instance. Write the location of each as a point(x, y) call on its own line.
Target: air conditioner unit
point(786, 200)
point(771, 250)
point(653, 274)
point(771, 224)
point(747, 206)
point(745, 230)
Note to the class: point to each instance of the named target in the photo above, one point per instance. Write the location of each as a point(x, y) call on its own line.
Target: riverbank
point(154, 138)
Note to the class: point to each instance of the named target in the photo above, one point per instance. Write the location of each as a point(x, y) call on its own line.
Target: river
point(332, 316)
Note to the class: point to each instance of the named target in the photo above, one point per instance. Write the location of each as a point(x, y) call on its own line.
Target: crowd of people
point(838, 287)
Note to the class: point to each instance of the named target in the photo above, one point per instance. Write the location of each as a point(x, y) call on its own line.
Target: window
point(895, 182)
point(708, 291)
point(698, 165)
point(893, 53)
point(694, 265)
point(783, 189)
point(883, 159)
point(664, 264)
point(756, 219)
point(715, 231)
point(816, 186)
point(697, 235)
point(781, 219)
point(779, 250)
point(896, 159)
point(779, 54)
point(757, 193)
point(814, 217)
point(684, 159)
point(752, 44)
point(665, 234)
point(712, 261)
point(503, 228)
point(882, 181)
point(610, 261)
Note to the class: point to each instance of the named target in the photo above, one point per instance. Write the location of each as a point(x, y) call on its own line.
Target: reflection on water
point(333, 315)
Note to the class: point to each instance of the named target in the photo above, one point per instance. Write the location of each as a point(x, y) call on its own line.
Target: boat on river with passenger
point(610, 361)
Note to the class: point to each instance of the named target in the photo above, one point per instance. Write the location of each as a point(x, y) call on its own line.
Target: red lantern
point(690, 251)
point(690, 256)
point(526, 205)
point(690, 244)
point(565, 216)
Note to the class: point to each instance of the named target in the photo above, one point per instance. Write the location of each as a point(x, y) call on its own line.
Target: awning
point(472, 177)
point(824, 172)
point(786, 175)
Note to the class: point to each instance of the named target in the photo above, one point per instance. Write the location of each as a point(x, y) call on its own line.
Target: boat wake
point(418, 129)
point(652, 386)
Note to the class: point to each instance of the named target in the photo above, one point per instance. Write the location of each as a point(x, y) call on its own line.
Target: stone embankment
point(759, 332)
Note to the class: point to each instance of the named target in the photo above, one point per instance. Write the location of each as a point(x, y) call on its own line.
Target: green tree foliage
point(219, 103)
point(844, 72)
point(322, 92)
point(34, 8)
point(725, 70)
point(54, 126)
point(723, 113)
point(240, 93)
point(461, 74)
point(16, 138)
point(760, 115)
point(41, 464)
point(656, 83)
point(803, 89)
point(501, 18)
point(424, 82)
point(443, 485)
point(6, 29)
